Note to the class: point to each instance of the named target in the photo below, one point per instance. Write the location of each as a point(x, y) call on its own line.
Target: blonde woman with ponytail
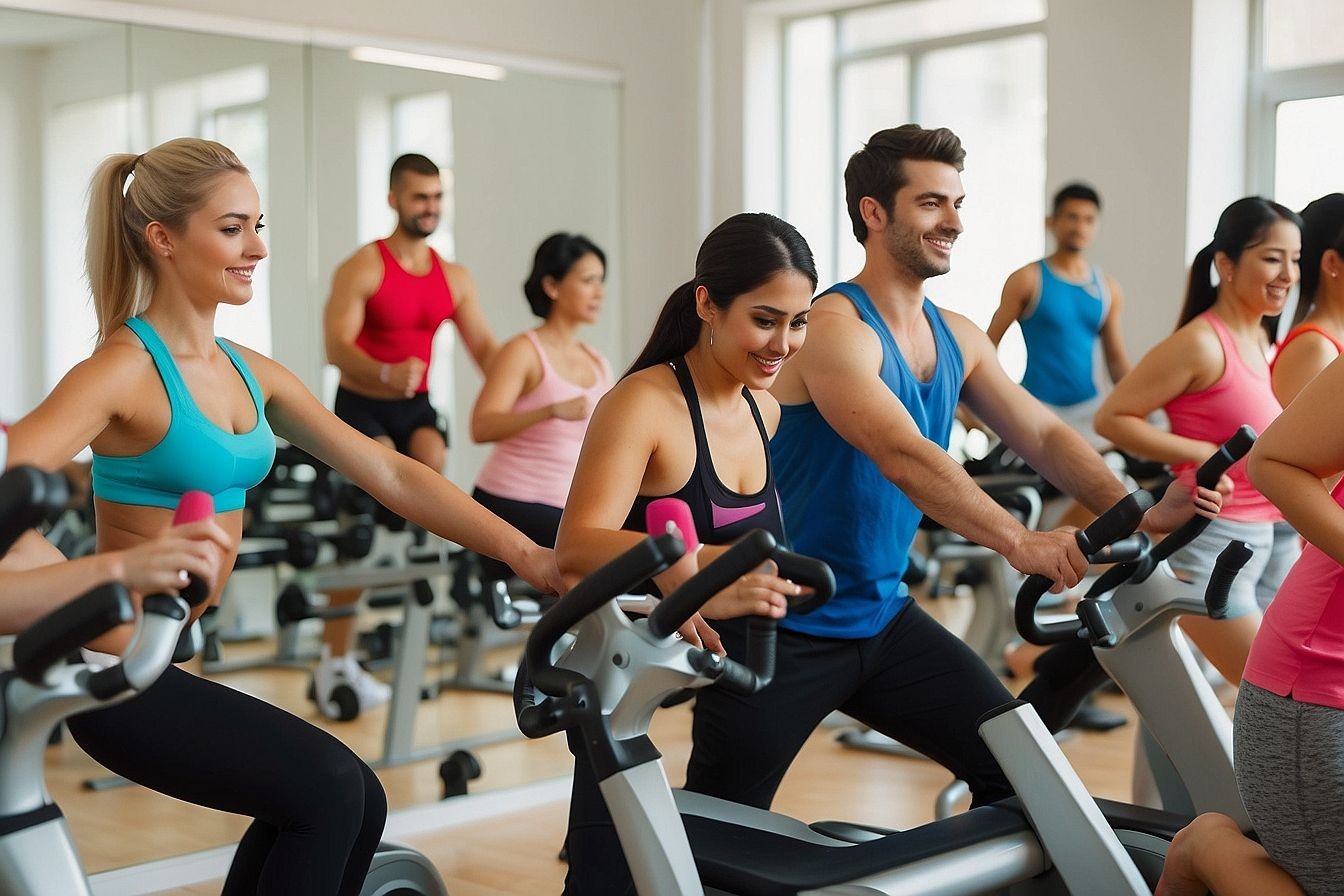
point(168, 407)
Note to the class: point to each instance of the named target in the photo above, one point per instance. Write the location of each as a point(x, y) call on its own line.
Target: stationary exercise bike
point(1126, 630)
point(1052, 838)
point(37, 855)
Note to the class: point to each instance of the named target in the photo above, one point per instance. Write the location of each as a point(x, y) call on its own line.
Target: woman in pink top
point(1317, 337)
point(1289, 735)
point(1211, 376)
point(540, 390)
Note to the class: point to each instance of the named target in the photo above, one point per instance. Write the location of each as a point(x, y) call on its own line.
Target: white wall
point(20, 228)
point(1118, 77)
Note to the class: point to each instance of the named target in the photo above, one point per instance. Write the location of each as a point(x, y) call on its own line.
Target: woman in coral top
point(1317, 337)
point(1212, 376)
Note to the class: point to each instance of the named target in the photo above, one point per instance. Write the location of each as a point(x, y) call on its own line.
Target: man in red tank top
point(387, 301)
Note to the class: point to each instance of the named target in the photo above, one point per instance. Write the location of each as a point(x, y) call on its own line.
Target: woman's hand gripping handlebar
point(746, 555)
point(161, 638)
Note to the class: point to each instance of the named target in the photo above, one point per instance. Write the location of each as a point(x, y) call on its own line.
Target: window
point(977, 68)
point(1299, 33)
point(1297, 99)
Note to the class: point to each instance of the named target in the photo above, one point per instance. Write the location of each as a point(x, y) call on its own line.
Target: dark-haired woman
point(1317, 336)
point(540, 389)
point(1211, 376)
point(690, 419)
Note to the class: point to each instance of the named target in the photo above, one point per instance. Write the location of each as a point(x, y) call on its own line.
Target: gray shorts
point(1079, 418)
point(1290, 771)
point(1276, 548)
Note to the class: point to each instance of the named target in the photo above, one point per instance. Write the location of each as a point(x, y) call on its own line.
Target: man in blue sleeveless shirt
point(859, 457)
point(1069, 312)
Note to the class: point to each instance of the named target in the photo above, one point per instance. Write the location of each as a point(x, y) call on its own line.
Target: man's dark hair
point(415, 164)
point(1074, 191)
point(878, 171)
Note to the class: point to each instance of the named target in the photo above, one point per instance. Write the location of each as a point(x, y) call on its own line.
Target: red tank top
point(402, 315)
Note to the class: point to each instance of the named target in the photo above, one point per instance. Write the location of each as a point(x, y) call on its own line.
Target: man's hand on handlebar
point(1053, 554)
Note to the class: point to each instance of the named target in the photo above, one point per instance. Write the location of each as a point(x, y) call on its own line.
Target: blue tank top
point(194, 454)
point(1061, 337)
point(840, 507)
point(721, 515)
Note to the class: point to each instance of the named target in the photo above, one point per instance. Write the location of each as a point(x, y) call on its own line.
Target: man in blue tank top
point(1069, 312)
point(859, 457)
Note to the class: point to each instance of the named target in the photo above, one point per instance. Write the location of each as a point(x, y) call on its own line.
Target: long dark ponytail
point(1243, 224)
point(1322, 229)
point(739, 255)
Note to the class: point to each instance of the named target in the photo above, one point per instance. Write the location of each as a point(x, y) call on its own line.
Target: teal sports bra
point(194, 454)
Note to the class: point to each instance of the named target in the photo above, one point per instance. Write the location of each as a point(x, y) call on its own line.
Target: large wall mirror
point(522, 156)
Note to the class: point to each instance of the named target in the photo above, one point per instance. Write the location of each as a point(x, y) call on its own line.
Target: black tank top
point(720, 514)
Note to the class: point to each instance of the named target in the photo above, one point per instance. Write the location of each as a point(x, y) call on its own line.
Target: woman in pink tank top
point(1317, 336)
point(539, 391)
point(1212, 376)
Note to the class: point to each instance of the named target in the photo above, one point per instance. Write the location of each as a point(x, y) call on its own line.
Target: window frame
point(1268, 88)
point(915, 51)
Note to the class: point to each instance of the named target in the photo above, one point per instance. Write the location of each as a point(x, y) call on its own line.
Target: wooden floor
point(517, 853)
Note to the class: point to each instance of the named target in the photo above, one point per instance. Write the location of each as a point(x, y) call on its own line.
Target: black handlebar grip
point(1225, 570)
point(1231, 451)
point(1120, 521)
point(47, 641)
point(1131, 547)
point(28, 498)
point(807, 571)
point(1228, 453)
point(749, 552)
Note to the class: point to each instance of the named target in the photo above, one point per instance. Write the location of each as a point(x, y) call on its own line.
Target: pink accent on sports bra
point(536, 465)
point(1241, 395)
point(402, 315)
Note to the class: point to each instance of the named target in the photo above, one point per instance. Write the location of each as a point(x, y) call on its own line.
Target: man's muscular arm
point(343, 319)
point(839, 365)
point(469, 316)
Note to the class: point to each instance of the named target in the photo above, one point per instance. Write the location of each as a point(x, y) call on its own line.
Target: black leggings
point(914, 681)
point(538, 522)
point(319, 809)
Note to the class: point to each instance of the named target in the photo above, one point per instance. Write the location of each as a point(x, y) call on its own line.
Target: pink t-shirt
point(537, 464)
point(1240, 396)
point(1299, 650)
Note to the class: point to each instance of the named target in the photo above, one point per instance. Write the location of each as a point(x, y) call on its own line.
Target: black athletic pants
point(538, 522)
point(914, 681)
point(319, 809)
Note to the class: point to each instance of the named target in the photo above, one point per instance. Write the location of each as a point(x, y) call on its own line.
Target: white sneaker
point(371, 691)
point(333, 672)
